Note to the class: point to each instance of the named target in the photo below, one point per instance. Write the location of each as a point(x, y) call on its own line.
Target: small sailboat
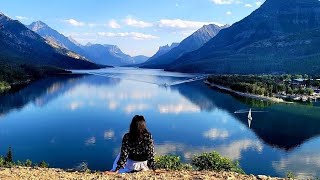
point(249, 118)
point(249, 115)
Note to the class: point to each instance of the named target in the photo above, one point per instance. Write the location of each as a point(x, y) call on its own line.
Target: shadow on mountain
point(281, 125)
point(43, 91)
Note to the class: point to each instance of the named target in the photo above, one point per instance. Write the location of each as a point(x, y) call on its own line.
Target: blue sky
point(138, 27)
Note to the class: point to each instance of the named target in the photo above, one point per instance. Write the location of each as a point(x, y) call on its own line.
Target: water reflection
point(214, 134)
point(89, 114)
point(43, 91)
point(282, 126)
point(233, 150)
point(304, 162)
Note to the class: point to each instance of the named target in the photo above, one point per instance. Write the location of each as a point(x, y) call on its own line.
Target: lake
point(66, 120)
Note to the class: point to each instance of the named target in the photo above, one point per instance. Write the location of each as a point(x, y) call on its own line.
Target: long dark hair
point(137, 128)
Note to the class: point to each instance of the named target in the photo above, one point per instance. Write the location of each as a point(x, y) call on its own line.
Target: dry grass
point(21, 173)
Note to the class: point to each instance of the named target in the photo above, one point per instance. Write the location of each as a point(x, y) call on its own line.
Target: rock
point(262, 177)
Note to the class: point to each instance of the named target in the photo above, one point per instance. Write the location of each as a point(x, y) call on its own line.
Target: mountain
point(19, 45)
point(163, 50)
point(279, 37)
point(191, 43)
point(97, 53)
point(54, 36)
point(139, 59)
point(106, 54)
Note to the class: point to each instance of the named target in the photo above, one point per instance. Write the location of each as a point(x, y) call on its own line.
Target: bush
point(2, 161)
point(214, 162)
point(28, 163)
point(19, 163)
point(290, 175)
point(43, 164)
point(170, 162)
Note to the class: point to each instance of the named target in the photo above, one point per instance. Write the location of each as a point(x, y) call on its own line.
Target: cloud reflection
point(216, 134)
point(135, 107)
point(178, 108)
point(113, 105)
point(232, 150)
point(90, 141)
point(75, 105)
point(305, 165)
point(109, 134)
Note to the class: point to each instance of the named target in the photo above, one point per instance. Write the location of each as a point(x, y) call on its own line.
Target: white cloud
point(184, 24)
point(136, 23)
point(248, 5)
point(113, 24)
point(216, 134)
point(22, 17)
point(258, 3)
point(228, 13)
point(74, 22)
point(133, 35)
point(219, 2)
point(92, 25)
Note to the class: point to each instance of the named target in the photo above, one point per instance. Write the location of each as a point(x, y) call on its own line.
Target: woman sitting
point(137, 149)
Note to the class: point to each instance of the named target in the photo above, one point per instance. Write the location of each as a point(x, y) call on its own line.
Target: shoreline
point(22, 173)
point(253, 96)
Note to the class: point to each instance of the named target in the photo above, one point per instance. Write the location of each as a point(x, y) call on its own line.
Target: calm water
point(71, 119)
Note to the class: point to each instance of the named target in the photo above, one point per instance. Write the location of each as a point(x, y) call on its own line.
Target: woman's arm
point(124, 152)
point(150, 149)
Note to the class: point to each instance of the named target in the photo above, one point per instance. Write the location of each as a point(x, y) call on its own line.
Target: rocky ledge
point(23, 173)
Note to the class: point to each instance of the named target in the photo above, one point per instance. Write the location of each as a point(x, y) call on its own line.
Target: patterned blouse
point(140, 150)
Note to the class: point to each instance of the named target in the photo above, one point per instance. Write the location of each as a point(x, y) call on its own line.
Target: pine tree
point(9, 158)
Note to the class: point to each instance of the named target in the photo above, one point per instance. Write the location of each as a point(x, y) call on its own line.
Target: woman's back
point(139, 149)
point(137, 145)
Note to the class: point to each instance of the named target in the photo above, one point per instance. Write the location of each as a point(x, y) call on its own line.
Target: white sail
point(249, 115)
point(249, 118)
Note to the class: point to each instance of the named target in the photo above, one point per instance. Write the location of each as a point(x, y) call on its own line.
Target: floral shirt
point(140, 150)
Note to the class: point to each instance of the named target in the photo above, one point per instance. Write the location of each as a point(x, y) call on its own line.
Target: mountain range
point(19, 45)
point(191, 43)
point(97, 53)
point(163, 50)
point(282, 36)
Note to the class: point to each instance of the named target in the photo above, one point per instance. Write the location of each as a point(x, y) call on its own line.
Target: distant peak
point(37, 25)
point(40, 22)
point(225, 26)
point(3, 16)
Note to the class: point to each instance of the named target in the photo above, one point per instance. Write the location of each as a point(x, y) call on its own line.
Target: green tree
point(297, 76)
point(9, 157)
point(289, 90)
point(309, 91)
point(282, 87)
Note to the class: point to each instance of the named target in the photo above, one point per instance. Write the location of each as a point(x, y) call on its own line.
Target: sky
point(138, 27)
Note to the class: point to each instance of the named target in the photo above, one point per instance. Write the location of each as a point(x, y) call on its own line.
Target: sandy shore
point(264, 98)
point(22, 173)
